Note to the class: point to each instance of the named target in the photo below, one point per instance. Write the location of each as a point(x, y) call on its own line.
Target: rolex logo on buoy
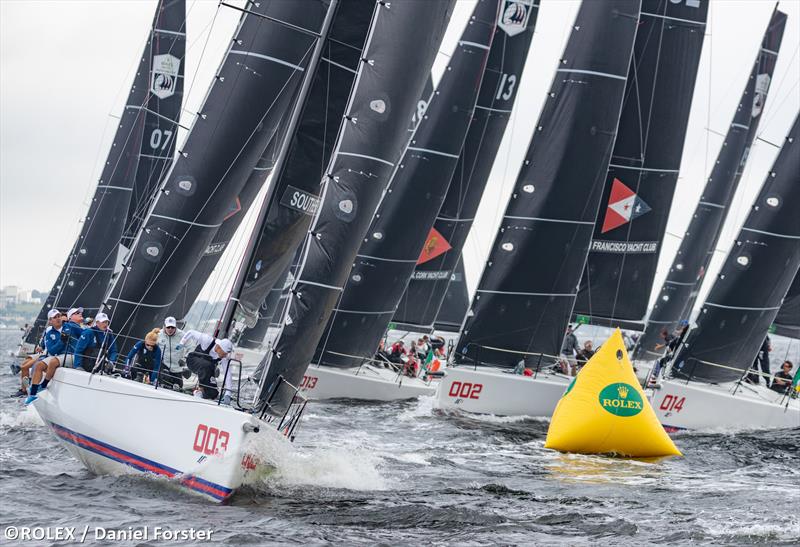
point(620, 400)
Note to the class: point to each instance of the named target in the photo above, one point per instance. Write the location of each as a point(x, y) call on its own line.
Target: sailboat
point(787, 322)
point(703, 386)
point(526, 292)
point(677, 295)
point(208, 447)
point(342, 365)
point(142, 149)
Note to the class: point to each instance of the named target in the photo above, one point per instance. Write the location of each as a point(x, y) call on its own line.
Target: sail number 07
point(160, 138)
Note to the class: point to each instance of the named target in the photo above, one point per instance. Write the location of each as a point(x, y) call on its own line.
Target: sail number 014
point(672, 402)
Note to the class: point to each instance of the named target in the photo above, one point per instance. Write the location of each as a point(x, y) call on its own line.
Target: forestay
point(753, 281)
point(402, 43)
point(407, 210)
point(528, 287)
point(630, 226)
point(143, 145)
point(260, 73)
point(428, 285)
point(676, 298)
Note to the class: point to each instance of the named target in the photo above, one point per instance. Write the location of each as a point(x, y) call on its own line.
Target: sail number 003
point(210, 440)
point(465, 390)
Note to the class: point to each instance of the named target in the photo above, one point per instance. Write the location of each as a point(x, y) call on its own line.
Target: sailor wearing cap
point(173, 354)
point(54, 318)
point(203, 361)
point(56, 342)
point(96, 344)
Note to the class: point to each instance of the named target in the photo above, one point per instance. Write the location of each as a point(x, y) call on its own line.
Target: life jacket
point(201, 357)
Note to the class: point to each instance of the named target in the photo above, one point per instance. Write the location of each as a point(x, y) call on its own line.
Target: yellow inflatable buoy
point(604, 411)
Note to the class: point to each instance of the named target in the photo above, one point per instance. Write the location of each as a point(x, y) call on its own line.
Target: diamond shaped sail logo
point(435, 245)
point(624, 205)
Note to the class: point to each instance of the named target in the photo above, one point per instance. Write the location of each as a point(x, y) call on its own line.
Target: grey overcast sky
point(65, 68)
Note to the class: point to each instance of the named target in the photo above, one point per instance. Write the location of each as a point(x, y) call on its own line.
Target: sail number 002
point(465, 390)
point(210, 440)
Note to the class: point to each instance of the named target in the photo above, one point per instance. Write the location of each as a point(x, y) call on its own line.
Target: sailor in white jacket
point(173, 354)
point(209, 353)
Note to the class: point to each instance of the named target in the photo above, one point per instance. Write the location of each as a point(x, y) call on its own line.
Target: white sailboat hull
point(489, 391)
point(115, 426)
point(694, 405)
point(367, 383)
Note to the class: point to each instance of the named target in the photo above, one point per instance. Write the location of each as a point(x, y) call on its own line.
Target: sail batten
point(527, 290)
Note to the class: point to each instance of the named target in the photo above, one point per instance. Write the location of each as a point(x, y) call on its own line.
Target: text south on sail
point(142, 149)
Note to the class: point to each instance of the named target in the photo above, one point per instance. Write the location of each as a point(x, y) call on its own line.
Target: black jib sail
point(676, 298)
point(455, 304)
point(143, 144)
point(630, 227)
point(787, 322)
point(528, 286)
point(426, 290)
point(406, 213)
point(230, 224)
point(403, 40)
point(273, 46)
point(753, 281)
point(294, 196)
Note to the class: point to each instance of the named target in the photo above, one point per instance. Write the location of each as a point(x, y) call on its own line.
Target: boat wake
point(22, 419)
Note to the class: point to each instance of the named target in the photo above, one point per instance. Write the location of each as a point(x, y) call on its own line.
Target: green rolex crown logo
point(621, 399)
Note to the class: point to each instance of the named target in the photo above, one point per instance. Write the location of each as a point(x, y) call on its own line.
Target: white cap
point(226, 345)
point(73, 311)
point(53, 313)
point(170, 322)
point(101, 318)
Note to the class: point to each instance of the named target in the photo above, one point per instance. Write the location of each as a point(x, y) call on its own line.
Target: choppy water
point(402, 473)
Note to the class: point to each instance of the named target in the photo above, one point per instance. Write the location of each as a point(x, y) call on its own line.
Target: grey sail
point(677, 295)
point(643, 173)
point(529, 283)
point(429, 283)
point(143, 145)
point(402, 44)
point(294, 194)
point(749, 290)
point(455, 305)
point(407, 210)
point(269, 55)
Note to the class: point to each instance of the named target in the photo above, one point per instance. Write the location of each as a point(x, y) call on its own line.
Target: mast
point(787, 322)
point(641, 180)
point(408, 208)
point(143, 144)
point(260, 74)
point(676, 298)
point(751, 286)
point(526, 293)
point(402, 43)
point(294, 193)
point(427, 287)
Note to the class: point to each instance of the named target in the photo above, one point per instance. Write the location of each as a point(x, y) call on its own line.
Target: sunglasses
point(150, 346)
point(173, 328)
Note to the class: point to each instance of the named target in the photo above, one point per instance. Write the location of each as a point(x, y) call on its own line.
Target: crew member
point(782, 381)
point(203, 361)
point(96, 344)
point(57, 347)
point(143, 361)
point(173, 354)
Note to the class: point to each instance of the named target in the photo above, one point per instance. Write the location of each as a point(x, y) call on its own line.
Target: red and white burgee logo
point(435, 245)
point(234, 208)
point(623, 206)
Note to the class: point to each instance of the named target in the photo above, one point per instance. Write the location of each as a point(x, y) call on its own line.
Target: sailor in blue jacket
point(96, 342)
point(144, 360)
point(56, 346)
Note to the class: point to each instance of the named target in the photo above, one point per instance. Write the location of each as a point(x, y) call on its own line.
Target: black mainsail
point(753, 281)
point(143, 145)
point(402, 44)
point(528, 287)
point(294, 196)
point(407, 210)
point(428, 285)
point(271, 50)
point(676, 298)
point(643, 173)
point(787, 322)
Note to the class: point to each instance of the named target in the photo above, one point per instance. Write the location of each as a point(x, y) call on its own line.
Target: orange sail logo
point(434, 246)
